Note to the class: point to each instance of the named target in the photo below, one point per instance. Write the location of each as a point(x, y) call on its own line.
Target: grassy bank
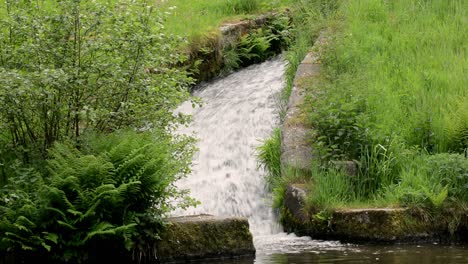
point(210, 52)
point(392, 97)
point(195, 18)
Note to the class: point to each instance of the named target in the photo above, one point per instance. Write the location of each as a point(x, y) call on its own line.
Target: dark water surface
point(357, 254)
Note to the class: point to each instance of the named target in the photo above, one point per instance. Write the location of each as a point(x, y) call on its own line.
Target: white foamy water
point(238, 112)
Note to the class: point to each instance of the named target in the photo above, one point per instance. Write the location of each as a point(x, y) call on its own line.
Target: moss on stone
point(205, 237)
point(448, 224)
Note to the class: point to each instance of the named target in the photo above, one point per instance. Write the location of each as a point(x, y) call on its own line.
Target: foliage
point(429, 180)
point(450, 170)
point(70, 67)
point(339, 124)
point(393, 98)
point(195, 18)
point(119, 186)
point(269, 156)
point(242, 6)
point(260, 44)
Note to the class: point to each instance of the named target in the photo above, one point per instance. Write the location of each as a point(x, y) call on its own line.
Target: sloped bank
point(387, 225)
point(238, 44)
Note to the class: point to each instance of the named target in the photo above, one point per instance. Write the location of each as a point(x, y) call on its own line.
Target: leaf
point(51, 237)
point(47, 247)
point(67, 225)
point(74, 212)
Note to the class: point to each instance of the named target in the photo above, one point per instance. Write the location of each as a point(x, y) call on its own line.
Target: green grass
point(193, 18)
point(269, 156)
point(394, 98)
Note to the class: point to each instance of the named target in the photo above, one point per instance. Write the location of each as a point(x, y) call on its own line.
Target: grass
point(194, 18)
point(393, 97)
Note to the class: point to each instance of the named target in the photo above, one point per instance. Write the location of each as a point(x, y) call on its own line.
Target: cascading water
point(238, 113)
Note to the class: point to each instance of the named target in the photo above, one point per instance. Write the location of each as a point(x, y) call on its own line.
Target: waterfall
point(238, 113)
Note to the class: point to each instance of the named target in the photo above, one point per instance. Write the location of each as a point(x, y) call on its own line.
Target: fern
point(118, 187)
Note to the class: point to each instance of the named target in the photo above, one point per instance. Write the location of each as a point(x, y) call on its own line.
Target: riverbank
point(372, 127)
point(84, 172)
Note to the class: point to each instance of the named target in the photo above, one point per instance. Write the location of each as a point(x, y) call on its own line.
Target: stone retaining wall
point(387, 225)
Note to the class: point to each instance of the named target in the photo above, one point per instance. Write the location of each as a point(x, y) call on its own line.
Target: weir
point(238, 112)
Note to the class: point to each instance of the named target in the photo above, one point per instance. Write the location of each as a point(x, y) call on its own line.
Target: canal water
point(361, 254)
point(238, 112)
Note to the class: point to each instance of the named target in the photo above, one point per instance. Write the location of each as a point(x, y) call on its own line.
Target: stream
point(238, 112)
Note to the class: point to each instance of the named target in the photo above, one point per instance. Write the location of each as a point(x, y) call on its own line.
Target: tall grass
point(410, 60)
point(269, 156)
point(330, 189)
point(395, 98)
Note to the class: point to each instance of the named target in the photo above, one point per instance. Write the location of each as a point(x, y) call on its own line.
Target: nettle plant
point(74, 66)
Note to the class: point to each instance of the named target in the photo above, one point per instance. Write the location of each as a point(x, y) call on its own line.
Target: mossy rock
point(385, 225)
point(205, 236)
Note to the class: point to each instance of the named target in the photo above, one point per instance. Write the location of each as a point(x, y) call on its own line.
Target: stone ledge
point(205, 236)
point(386, 225)
point(296, 150)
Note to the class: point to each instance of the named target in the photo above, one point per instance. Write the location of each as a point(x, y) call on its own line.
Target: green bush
point(70, 67)
point(451, 171)
point(118, 189)
point(259, 44)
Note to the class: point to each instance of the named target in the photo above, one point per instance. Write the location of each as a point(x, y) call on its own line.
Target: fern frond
point(22, 220)
point(53, 209)
point(105, 229)
point(90, 212)
point(23, 228)
point(51, 237)
point(58, 197)
point(65, 224)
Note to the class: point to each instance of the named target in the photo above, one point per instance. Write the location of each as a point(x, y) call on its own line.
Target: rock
point(349, 167)
point(205, 236)
point(387, 225)
point(294, 200)
point(296, 149)
point(382, 224)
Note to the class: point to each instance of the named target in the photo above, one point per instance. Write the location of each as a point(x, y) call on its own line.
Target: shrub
point(118, 189)
point(70, 67)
